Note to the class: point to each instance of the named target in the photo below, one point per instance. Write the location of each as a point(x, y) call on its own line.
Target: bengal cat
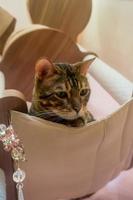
point(61, 92)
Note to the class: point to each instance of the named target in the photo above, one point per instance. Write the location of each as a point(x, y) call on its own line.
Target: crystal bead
point(18, 154)
point(2, 129)
point(19, 176)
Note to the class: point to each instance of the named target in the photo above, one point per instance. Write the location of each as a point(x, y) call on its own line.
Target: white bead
point(19, 176)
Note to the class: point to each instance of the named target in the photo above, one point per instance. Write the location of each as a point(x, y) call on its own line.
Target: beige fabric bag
point(68, 162)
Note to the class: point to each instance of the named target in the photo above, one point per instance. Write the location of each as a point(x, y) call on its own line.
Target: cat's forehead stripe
point(68, 87)
point(71, 77)
point(73, 81)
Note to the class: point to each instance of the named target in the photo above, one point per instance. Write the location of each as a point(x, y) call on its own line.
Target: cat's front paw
point(79, 122)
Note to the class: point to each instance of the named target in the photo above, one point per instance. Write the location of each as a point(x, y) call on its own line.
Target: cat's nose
point(77, 108)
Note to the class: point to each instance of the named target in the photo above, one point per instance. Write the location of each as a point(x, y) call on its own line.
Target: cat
point(61, 92)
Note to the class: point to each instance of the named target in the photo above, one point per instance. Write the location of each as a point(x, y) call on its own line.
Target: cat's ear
point(83, 67)
point(44, 68)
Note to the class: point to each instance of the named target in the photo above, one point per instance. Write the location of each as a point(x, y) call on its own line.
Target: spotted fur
point(61, 92)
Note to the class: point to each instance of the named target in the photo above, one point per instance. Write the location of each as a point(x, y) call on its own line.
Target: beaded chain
point(11, 143)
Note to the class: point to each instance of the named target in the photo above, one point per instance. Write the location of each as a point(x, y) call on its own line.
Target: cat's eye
point(84, 92)
point(44, 96)
point(61, 94)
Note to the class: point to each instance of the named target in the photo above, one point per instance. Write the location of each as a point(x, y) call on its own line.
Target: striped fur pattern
point(61, 92)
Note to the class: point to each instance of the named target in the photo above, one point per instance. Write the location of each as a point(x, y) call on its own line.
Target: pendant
point(18, 177)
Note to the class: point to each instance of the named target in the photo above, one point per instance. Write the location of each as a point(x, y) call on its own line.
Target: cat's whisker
point(45, 114)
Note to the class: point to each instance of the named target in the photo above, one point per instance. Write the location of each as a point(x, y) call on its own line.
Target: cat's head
point(62, 89)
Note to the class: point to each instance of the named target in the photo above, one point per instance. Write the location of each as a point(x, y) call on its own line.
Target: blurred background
point(109, 32)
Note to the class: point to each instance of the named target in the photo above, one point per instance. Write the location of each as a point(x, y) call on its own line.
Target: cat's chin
point(70, 116)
